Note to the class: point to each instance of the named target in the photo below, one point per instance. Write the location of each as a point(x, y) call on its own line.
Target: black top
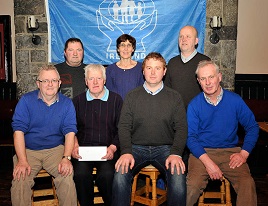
point(181, 76)
point(72, 79)
point(97, 120)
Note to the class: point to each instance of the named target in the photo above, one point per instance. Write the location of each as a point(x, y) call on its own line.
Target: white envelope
point(92, 153)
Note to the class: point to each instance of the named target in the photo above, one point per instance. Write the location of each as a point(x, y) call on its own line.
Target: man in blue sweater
point(213, 117)
point(44, 125)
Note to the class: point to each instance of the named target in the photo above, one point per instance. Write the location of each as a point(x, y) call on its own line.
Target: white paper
point(92, 153)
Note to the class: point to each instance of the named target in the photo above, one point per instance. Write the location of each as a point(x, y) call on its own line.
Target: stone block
point(228, 55)
point(29, 7)
point(230, 12)
point(38, 55)
point(22, 61)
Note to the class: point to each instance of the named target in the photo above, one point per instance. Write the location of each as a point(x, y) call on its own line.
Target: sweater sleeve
point(247, 120)
point(69, 120)
point(118, 107)
point(21, 117)
point(180, 128)
point(125, 127)
point(193, 121)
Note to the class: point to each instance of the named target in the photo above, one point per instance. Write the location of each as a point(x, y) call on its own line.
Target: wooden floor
point(6, 176)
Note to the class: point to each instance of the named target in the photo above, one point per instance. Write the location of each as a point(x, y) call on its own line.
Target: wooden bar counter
point(263, 126)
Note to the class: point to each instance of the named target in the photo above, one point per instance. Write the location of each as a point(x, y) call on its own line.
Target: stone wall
point(29, 57)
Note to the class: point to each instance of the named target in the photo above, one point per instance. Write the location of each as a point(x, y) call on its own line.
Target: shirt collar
point(41, 97)
point(219, 98)
point(104, 98)
point(186, 59)
point(153, 93)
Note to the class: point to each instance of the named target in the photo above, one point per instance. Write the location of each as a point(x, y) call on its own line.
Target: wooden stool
point(97, 199)
point(224, 195)
point(42, 193)
point(158, 195)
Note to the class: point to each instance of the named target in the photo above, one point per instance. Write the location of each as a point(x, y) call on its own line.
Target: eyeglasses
point(46, 81)
point(125, 45)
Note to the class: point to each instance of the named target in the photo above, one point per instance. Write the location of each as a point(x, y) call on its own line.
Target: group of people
point(175, 116)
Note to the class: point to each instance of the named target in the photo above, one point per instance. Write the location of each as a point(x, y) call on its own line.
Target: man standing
point(181, 69)
point(152, 130)
point(72, 70)
point(44, 126)
point(213, 118)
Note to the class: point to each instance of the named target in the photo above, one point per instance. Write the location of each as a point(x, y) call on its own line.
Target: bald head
point(188, 40)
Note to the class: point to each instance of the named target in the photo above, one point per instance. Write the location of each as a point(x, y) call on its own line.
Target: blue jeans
point(145, 155)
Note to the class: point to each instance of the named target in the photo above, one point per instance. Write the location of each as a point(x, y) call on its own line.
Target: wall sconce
point(33, 25)
point(215, 24)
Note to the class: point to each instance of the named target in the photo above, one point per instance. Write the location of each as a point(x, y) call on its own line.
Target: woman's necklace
point(125, 66)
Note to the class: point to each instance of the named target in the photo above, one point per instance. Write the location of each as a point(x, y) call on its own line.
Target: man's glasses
point(46, 81)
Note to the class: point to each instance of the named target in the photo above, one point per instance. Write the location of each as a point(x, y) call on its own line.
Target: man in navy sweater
point(97, 114)
point(213, 118)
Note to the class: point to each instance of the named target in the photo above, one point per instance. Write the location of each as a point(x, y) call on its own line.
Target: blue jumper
point(216, 126)
point(44, 126)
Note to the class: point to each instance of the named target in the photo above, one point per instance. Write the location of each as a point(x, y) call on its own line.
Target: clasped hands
point(236, 160)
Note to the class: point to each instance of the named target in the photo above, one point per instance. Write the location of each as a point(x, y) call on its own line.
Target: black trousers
point(84, 180)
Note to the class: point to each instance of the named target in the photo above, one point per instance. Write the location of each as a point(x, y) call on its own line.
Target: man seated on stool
point(44, 127)
point(152, 130)
point(213, 118)
point(97, 112)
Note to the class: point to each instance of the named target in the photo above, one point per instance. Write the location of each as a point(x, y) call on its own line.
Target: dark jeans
point(84, 180)
point(145, 155)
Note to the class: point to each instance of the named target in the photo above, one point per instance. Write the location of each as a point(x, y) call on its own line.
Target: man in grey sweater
point(152, 130)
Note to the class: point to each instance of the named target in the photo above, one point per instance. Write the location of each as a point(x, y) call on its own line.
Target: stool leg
point(201, 200)
point(154, 195)
point(228, 193)
point(147, 188)
point(134, 188)
point(54, 190)
point(222, 188)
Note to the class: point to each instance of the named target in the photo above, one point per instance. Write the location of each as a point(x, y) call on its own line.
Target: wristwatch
point(67, 157)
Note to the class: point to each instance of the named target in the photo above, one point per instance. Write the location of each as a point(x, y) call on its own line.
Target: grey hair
point(49, 67)
point(95, 67)
point(204, 63)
